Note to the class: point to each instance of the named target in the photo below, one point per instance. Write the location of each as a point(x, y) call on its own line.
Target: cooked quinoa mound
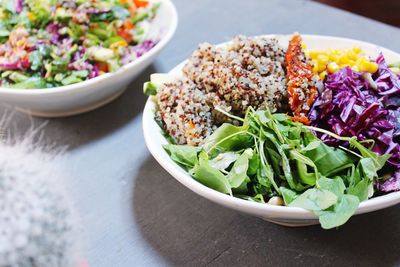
point(248, 72)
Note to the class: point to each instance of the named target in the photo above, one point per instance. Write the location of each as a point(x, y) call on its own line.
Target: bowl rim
point(171, 9)
point(253, 207)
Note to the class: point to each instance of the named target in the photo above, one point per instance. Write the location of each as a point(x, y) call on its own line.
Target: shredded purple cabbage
point(53, 29)
point(19, 5)
point(142, 48)
point(354, 104)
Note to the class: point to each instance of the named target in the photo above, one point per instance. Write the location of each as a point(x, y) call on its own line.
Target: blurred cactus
point(36, 221)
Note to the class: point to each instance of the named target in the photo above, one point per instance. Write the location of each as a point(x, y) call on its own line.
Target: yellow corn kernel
point(323, 59)
point(303, 46)
point(322, 75)
point(344, 59)
point(355, 68)
point(332, 67)
point(31, 16)
point(352, 55)
point(315, 67)
point(356, 50)
point(122, 43)
point(321, 67)
point(363, 64)
point(313, 54)
point(373, 67)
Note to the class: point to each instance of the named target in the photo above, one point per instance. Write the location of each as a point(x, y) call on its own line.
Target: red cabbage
point(18, 65)
point(19, 5)
point(142, 48)
point(354, 104)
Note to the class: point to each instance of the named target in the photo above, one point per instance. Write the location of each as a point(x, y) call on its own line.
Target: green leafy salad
point(269, 154)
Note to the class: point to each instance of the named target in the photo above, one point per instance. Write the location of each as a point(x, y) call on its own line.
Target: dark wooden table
point(135, 214)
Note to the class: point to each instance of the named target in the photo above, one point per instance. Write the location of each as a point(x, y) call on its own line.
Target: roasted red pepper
point(301, 86)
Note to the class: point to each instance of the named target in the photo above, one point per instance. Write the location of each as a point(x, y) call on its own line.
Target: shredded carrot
point(141, 3)
point(191, 124)
point(128, 24)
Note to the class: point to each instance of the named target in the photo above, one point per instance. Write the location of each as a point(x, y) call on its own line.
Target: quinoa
point(248, 72)
point(185, 112)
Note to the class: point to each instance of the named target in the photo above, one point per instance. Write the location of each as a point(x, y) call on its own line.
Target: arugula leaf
point(379, 161)
point(315, 199)
point(211, 177)
point(360, 190)
point(302, 162)
point(340, 214)
point(254, 164)
point(335, 185)
point(328, 160)
point(227, 138)
point(224, 160)
point(257, 198)
point(183, 154)
point(368, 168)
point(288, 195)
point(238, 173)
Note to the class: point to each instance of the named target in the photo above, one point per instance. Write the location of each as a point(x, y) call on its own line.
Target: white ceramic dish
point(91, 94)
point(287, 216)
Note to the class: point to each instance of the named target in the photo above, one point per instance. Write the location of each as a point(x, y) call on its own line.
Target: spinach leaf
point(340, 213)
point(183, 154)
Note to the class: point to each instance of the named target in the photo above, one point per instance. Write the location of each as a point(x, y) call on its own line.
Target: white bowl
point(287, 216)
point(91, 94)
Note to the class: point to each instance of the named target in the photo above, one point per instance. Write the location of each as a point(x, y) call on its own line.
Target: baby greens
point(271, 155)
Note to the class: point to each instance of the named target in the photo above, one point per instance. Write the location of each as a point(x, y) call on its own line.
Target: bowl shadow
point(186, 229)
point(77, 130)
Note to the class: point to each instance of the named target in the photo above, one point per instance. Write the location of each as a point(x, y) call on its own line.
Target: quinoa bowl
point(83, 96)
point(284, 215)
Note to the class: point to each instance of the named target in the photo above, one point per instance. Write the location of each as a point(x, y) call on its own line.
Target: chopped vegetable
point(49, 42)
point(352, 105)
point(332, 60)
point(301, 80)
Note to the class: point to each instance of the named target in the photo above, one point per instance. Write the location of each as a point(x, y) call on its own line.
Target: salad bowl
point(93, 93)
point(283, 215)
